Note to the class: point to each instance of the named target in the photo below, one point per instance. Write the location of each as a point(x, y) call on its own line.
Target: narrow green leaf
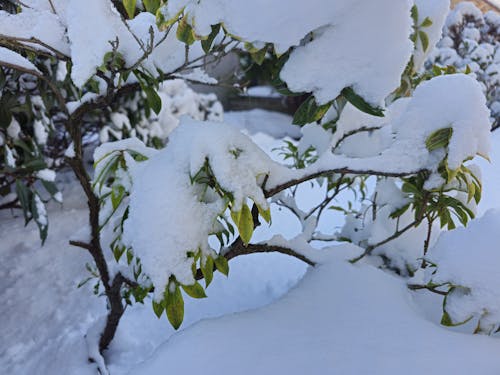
point(24, 195)
point(309, 112)
point(477, 194)
point(175, 307)
point(439, 139)
point(399, 212)
point(360, 103)
point(259, 56)
point(471, 191)
point(195, 290)
point(151, 5)
point(222, 265)
point(153, 99)
point(158, 308)
point(265, 214)
point(426, 22)
point(410, 189)
point(129, 6)
point(424, 38)
point(446, 320)
point(117, 194)
point(236, 215)
point(206, 44)
point(207, 269)
point(185, 32)
point(245, 226)
point(414, 14)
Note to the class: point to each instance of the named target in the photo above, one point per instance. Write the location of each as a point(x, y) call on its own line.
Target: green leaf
point(207, 269)
point(360, 103)
point(414, 14)
point(158, 309)
point(471, 191)
point(410, 189)
point(129, 6)
point(448, 322)
point(424, 39)
point(206, 44)
point(245, 226)
point(426, 23)
point(265, 214)
point(195, 290)
point(439, 139)
point(185, 32)
point(309, 112)
point(117, 193)
point(24, 195)
point(151, 5)
point(153, 99)
point(259, 56)
point(399, 212)
point(236, 215)
point(175, 307)
point(35, 165)
point(477, 194)
point(222, 265)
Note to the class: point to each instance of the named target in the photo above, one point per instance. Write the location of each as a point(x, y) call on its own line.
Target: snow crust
point(373, 318)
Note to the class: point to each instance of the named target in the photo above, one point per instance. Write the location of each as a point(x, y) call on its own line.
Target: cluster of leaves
point(442, 203)
point(31, 146)
point(112, 183)
point(412, 78)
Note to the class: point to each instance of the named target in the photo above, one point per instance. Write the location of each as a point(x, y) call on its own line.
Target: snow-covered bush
point(177, 99)
point(471, 40)
point(161, 210)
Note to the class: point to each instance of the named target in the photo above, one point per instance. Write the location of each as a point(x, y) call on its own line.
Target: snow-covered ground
point(339, 318)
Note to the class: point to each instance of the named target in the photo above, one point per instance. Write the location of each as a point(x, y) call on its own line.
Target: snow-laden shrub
point(471, 40)
point(159, 210)
point(177, 98)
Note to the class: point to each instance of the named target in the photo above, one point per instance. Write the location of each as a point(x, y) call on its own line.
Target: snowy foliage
point(174, 216)
point(177, 99)
point(472, 39)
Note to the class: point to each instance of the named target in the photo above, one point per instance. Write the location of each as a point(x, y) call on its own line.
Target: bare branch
point(20, 43)
point(395, 235)
point(275, 190)
point(238, 249)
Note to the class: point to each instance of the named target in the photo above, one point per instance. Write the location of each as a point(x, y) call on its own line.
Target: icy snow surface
point(375, 329)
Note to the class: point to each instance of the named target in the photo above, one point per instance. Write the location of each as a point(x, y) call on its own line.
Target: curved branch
point(19, 42)
point(278, 188)
point(396, 234)
point(238, 248)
